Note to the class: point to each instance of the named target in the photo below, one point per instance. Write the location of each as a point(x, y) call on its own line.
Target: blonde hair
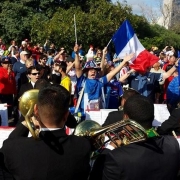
point(28, 61)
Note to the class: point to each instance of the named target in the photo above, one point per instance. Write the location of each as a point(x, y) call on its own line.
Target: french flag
point(126, 42)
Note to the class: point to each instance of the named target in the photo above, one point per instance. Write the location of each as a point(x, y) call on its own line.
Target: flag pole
point(75, 30)
point(109, 42)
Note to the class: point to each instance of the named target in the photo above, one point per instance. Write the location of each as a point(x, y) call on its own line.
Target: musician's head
point(127, 93)
point(41, 83)
point(52, 106)
point(140, 109)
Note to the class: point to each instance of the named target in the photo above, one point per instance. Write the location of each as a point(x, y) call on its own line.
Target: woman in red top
point(7, 84)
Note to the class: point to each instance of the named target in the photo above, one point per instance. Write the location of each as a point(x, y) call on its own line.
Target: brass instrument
point(26, 107)
point(127, 131)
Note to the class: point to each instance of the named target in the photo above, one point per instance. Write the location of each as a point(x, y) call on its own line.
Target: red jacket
point(36, 53)
point(7, 82)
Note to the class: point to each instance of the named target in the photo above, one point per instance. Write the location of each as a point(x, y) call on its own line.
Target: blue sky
point(135, 4)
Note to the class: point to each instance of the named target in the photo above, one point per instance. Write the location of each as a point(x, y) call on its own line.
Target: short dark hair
point(63, 65)
point(29, 70)
point(129, 92)
point(51, 51)
point(41, 83)
point(69, 59)
point(140, 109)
point(39, 67)
point(42, 56)
point(56, 98)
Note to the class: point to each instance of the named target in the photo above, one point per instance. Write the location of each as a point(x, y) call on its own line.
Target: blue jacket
point(173, 96)
point(18, 69)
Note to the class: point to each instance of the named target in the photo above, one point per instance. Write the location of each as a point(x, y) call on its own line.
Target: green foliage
point(95, 27)
point(14, 21)
point(161, 37)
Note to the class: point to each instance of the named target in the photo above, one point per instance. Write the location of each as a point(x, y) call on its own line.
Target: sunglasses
point(5, 62)
point(34, 74)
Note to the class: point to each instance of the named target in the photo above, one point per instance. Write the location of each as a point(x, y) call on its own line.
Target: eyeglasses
point(34, 74)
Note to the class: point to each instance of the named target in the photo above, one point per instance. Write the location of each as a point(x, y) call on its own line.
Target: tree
point(96, 27)
point(97, 21)
point(18, 16)
point(161, 37)
point(15, 21)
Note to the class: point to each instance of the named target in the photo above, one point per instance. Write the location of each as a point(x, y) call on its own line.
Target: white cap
point(169, 53)
point(23, 42)
point(24, 52)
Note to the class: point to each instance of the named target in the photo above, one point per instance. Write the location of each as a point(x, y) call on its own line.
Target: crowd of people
point(79, 82)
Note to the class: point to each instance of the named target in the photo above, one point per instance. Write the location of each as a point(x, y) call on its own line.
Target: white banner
point(4, 133)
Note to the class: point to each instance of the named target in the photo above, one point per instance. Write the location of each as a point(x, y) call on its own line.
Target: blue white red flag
point(126, 42)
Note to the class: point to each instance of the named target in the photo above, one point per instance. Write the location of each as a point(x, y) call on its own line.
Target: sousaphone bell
point(26, 107)
point(127, 131)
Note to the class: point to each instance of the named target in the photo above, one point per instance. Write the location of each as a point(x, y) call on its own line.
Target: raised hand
point(76, 49)
point(129, 57)
point(105, 50)
point(61, 52)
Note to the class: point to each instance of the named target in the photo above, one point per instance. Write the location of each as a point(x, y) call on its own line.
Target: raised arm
point(70, 67)
point(169, 73)
point(58, 55)
point(102, 65)
point(78, 68)
point(45, 45)
point(118, 68)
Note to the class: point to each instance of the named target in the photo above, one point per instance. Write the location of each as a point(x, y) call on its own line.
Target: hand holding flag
point(105, 50)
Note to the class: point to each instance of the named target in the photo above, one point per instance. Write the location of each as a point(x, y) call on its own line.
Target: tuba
point(127, 131)
point(26, 107)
